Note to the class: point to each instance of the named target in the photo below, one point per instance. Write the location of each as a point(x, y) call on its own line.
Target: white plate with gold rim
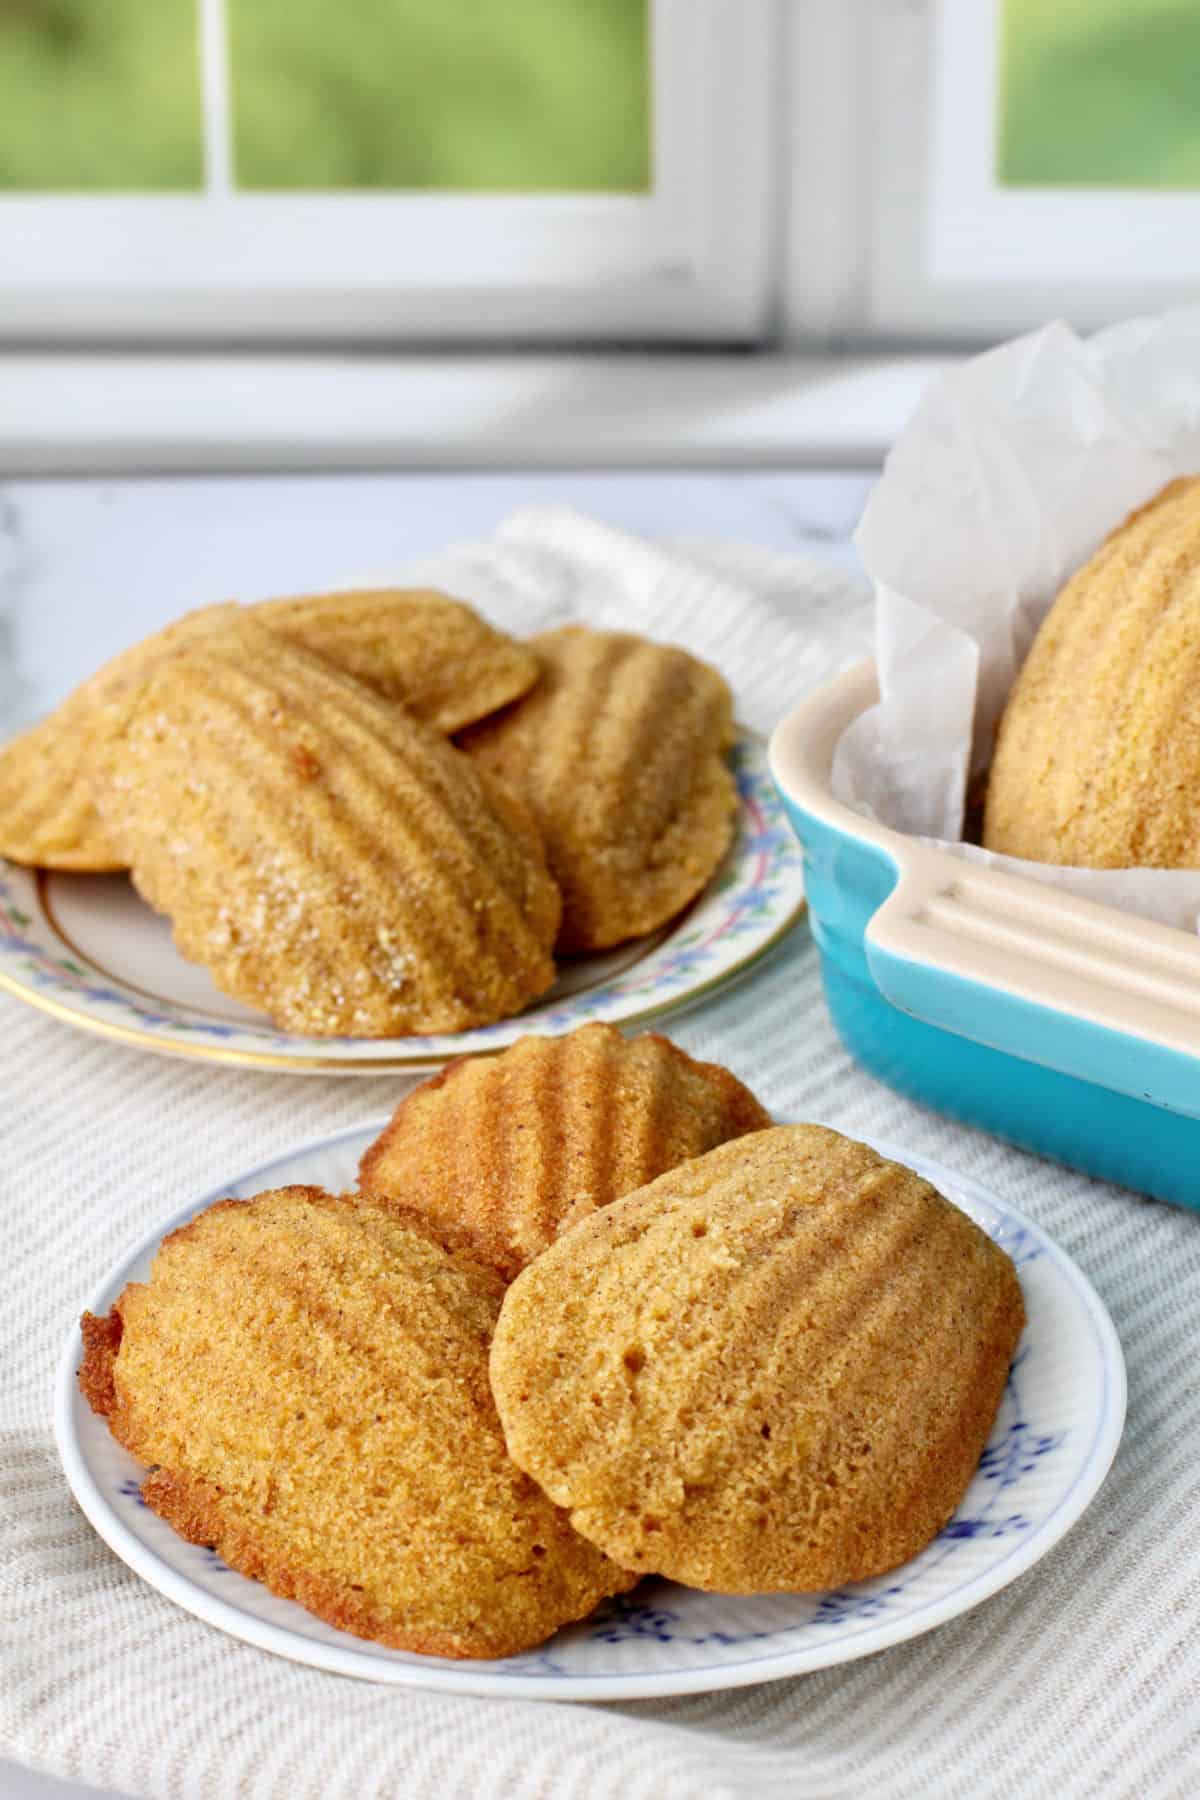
point(88, 950)
point(1054, 1438)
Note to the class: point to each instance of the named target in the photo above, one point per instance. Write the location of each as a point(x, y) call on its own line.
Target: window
point(1098, 94)
point(100, 98)
point(491, 169)
point(522, 171)
point(1032, 160)
point(531, 97)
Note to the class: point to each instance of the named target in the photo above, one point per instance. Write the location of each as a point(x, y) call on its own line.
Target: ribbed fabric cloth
point(1081, 1679)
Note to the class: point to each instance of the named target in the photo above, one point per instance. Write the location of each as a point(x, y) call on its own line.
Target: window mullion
point(214, 83)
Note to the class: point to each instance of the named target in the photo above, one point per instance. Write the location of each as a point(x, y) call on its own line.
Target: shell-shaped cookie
point(434, 654)
point(773, 1369)
point(48, 818)
point(331, 860)
point(1097, 759)
point(48, 815)
point(307, 1377)
point(507, 1151)
point(618, 752)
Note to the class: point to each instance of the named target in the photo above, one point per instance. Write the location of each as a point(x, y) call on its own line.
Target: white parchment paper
point(1010, 474)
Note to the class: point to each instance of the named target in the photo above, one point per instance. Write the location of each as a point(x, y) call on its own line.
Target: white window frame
point(979, 230)
point(688, 260)
point(898, 232)
point(802, 227)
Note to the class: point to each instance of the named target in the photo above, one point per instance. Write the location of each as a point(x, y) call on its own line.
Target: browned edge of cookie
point(101, 1341)
point(193, 1508)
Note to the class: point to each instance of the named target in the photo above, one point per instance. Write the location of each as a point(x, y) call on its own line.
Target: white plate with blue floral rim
point(1055, 1435)
point(88, 950)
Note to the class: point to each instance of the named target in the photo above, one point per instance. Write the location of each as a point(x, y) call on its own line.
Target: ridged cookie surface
point(507, 1151)
point(330, 860)
point(436, 655)
point(48, 815)
point(1097, 759)
point(433, 654)
point(48, 818)
point(773, 1369)
point(308, 1377)
point(619, 753)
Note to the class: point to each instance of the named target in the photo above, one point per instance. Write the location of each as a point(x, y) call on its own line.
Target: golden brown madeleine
point(1097, 759)
point(773, 1369)
point(507, 1151)
point(307, 1377)
point(435, 655)
point(328, 858)
point(48, 818)
point(48, 815)
point(618, 752)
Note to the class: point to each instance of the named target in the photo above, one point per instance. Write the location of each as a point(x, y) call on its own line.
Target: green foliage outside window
point(99, 95)
point(1099, 93)
point(453, 94)
point(466, 95)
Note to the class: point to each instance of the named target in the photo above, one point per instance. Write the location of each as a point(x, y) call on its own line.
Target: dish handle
point(1043, 976)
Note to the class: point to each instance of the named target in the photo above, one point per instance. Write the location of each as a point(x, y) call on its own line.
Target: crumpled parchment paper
point(1010, 474)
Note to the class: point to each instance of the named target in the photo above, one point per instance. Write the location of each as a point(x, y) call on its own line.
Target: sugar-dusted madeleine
point(619, 753)
point(307, 1378)
point(48, 818)
point(772, 1369)
point(507, 1151)
point(48, 815)
point(1097, 759)
point(434, 654)
point(327, 857)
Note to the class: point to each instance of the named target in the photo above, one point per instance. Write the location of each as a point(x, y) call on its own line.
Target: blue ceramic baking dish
point(1065, 1026)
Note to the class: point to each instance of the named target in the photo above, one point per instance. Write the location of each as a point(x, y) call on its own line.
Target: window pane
point(1100, 93)
point(99, 94)
point(449, 94)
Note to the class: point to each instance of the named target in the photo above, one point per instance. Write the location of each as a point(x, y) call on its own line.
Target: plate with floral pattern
point(88, 950)
point(1055, 1435)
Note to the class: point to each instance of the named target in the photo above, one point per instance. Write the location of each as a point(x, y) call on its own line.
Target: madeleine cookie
point(307, 1377)
point(329, 859)
point(48, 818)
point(619, 753)
point(773, 1369)
point(432, 653)
point(48, 815)
point(1097, 759)
point(508, 1151)
point(435, 655)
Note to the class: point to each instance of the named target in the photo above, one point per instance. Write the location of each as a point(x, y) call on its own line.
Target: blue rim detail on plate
point(751, 902)
point(1056, 1434)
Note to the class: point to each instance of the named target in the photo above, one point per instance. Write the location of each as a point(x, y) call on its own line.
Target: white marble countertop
point(87, 567)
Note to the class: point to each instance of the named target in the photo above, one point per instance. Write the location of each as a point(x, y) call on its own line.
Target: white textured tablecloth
point(1083, 1678)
